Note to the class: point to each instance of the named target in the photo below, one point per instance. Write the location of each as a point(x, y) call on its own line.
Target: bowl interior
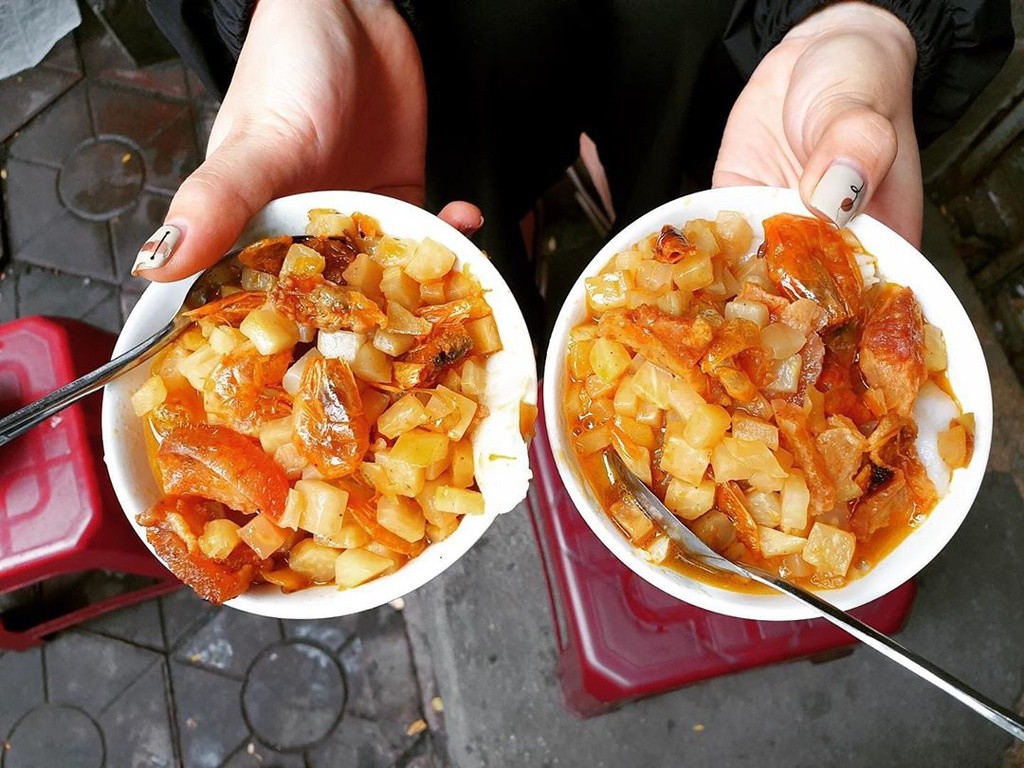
point(124, 449)
point(898, 262)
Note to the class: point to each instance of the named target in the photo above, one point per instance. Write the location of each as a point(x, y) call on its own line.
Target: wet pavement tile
point(26, 94)
point(45, 292)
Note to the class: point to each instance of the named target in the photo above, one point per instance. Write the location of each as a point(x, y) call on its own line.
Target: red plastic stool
point(58, 512)
point(620, 639)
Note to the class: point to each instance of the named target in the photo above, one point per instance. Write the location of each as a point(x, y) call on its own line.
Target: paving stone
point(51, 136)
point(8, 294)
point(26, 94)
point(252, 754)
point(210, 723)
point(90, 671)
point(184, 612)
point(137, 624)
point(22, 675)
point(32, 202)
point(78, 744)
point(137, 117)
point(330, 633)
point(356, 742)
point(229, 642)
point(64, 55)
point(70, 244)
point(41, 292)
point(137, 725)
point(381, 681)
point(294, 695)
point(171, 154)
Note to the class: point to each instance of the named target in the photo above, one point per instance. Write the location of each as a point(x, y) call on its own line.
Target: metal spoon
point(697, 552)
point(25, 418)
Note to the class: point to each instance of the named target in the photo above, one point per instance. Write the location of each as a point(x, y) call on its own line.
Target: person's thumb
point(851, 149)
point(211, 208)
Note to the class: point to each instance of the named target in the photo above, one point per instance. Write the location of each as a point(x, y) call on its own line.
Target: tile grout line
point(127, 687)
point(171, 705)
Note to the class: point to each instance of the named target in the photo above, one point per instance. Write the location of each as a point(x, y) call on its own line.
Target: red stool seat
point(621, 639)
point(58, 512)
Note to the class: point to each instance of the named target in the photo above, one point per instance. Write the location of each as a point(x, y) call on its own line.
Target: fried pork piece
point(730, 499)
point(875, 510)
point(809, 259)
point(314, 301)
point(730, 339)
point(445, 345)
point(268, 255)
point(842, 446)
point(174, 525)
point(892, 348)
point(230, 310)
point(797, 439)
point(673, 343)
point(672, 246)
point(220, 464)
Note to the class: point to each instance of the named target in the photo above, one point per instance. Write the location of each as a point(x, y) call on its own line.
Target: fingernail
point(839, 193)
point(158, 248)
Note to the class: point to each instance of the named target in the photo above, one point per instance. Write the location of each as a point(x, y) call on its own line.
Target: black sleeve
point(208, 34)
point(961, 44)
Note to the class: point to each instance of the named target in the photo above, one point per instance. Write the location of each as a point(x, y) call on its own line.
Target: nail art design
point(839, 193)
point(157, 249)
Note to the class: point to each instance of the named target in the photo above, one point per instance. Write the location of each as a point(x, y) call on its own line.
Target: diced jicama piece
point(484, 332)
point(607, 291)
point(695, 271)
point(777, 544)
point(765, 507)
point(269, 331)
point(303, 261)
point(355, 566)
point(396, 285)
point(340, 345)
point(706, 425)
point(952, 444)
point(151, 394)
point(796, 498)
point(219, 538)
point(830, 550)
point(632, 520)
point(197, 366)
point(657, 551)
point(274, 434)
point(294, 504)
point(224, 338)
point(650, 414)
point(641, 434)
point(653, 276)
point(687, 501)
point(364, 274)
point(372, 365)
point(594, 440)
point(442, 531)
point(625, 401)
point(326, 222)
point(400, 477)
point(460, 285)
point(672, 303)
point(734, 234)
point(934, 349)
point(714, 529)
point(431, 261)
point(786, 375)
point(682, 460)
point(578, 359)
point(474, 378)
point(290, 460)
point(420, 447)
point(635, 457)
point(262, 536)
point(401, 516)
point(747, 427)
point(293, 376)
point(253, 280)
point(735, 459)
point(609, 359)
point(407, 413)
point(747, 309)
point(345, 535)
point(653, 384)
point(782, 340)
point(433, 292)
point(458, 501)
point(324, 506)
point(393, 344)
point(462, 464)
point(457, 422)
point(401, 320)
point(314, 561)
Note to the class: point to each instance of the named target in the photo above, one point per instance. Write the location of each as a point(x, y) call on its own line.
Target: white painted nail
point(839, 193)
point(157, 249)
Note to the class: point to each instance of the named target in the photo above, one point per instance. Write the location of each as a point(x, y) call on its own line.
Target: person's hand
point(829, 111)
point(326, 95)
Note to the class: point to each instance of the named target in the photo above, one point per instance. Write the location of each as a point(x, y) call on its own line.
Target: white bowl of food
point(311, 460)
point(792, 409)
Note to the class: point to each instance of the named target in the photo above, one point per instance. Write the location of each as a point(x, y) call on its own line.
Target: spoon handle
point(994, 713)
point(25, 418)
